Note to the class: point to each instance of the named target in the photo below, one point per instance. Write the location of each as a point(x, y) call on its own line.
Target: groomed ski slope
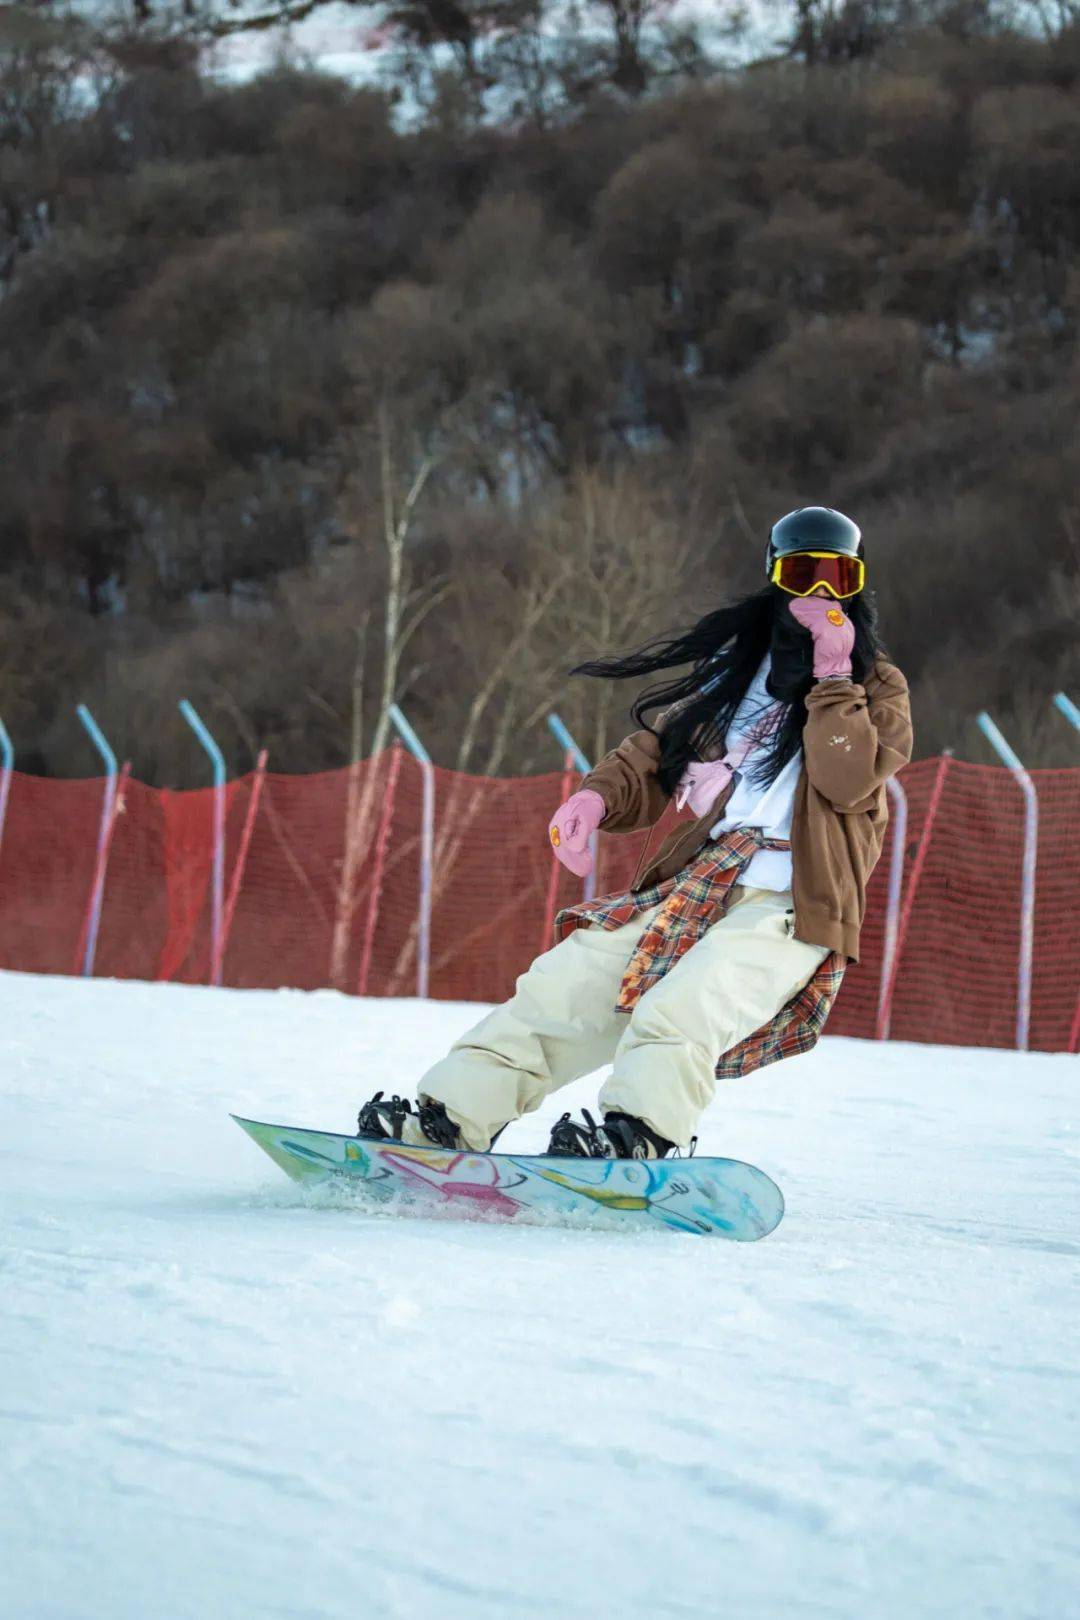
point(221, 1399)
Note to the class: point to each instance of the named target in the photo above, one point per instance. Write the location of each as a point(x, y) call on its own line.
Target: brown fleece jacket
point(856, 736)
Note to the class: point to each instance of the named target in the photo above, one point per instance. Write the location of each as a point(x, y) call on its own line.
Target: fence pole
point(7, 754)
point(1072, 714)
point(889, 988)
point(242, 853)
point(892, 907)
point(97, 886)
point(562, 736)
point(427, 845)
point(382, 844)
point(1027, 896)
point(92, 916)
point(217, 900)
point(1068, 708)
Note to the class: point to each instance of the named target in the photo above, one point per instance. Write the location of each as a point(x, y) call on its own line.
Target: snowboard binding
point(383, 1120)
point(619, 1137)
point(436, 1124)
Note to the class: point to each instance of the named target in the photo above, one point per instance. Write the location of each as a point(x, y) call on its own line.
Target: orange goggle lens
point(801, 572)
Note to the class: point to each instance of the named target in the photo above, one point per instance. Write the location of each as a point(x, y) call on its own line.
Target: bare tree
point(406, 604)
point(606, 568)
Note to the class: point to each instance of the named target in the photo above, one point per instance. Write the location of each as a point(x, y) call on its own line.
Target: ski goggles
point(800, 572)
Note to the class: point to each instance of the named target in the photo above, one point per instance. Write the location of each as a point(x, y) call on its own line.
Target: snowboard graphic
point(713, 1197)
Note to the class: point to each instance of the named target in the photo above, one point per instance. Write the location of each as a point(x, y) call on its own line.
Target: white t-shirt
point(752, 806)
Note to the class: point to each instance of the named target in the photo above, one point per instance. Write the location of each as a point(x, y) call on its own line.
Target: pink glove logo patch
point(832, 630)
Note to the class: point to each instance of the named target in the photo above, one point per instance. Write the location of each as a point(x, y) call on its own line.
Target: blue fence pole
point(7, 755)
point(427, 846)
point(97, 893)
point(1072, 714)
point(566, 742)
point(898, 799)
point(1068, 708)
point(217, 902)
point(1027, 899)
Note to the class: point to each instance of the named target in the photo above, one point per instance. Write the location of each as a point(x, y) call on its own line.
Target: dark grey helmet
point(813, 528)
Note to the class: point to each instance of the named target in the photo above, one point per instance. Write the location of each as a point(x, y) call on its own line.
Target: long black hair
point(724, 650)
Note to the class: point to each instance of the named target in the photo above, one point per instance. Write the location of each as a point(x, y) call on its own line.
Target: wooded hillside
point(273, 359)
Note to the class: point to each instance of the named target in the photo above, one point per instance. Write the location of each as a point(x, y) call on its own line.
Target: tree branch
point(290, 11)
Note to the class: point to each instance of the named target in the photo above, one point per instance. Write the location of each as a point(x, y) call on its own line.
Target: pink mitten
point(700, 784)
point(571, 827)
point(832, 630)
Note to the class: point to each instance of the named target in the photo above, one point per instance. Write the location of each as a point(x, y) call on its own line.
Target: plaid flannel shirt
point(691, 902)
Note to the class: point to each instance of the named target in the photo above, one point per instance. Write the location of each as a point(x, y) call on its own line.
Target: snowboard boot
point(431, 1126)
point(619, 1137)
point(397, 1121)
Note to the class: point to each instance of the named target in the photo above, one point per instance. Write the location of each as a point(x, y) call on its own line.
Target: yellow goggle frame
point(841, 558)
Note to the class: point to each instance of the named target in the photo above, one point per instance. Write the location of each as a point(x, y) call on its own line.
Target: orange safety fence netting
point(314, 893)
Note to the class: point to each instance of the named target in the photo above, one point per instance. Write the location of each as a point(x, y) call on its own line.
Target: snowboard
point(711, 1197)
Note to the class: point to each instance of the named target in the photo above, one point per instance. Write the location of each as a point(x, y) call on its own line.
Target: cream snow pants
point(561, 1023)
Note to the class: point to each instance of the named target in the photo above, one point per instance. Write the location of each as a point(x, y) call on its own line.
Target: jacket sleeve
point(626, 781)
point(853, 742)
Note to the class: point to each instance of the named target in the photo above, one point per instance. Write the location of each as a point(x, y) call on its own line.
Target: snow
point(221, 1397)
point(342, 37)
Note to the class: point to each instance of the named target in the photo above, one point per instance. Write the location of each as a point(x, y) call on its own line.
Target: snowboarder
point(727, 951)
